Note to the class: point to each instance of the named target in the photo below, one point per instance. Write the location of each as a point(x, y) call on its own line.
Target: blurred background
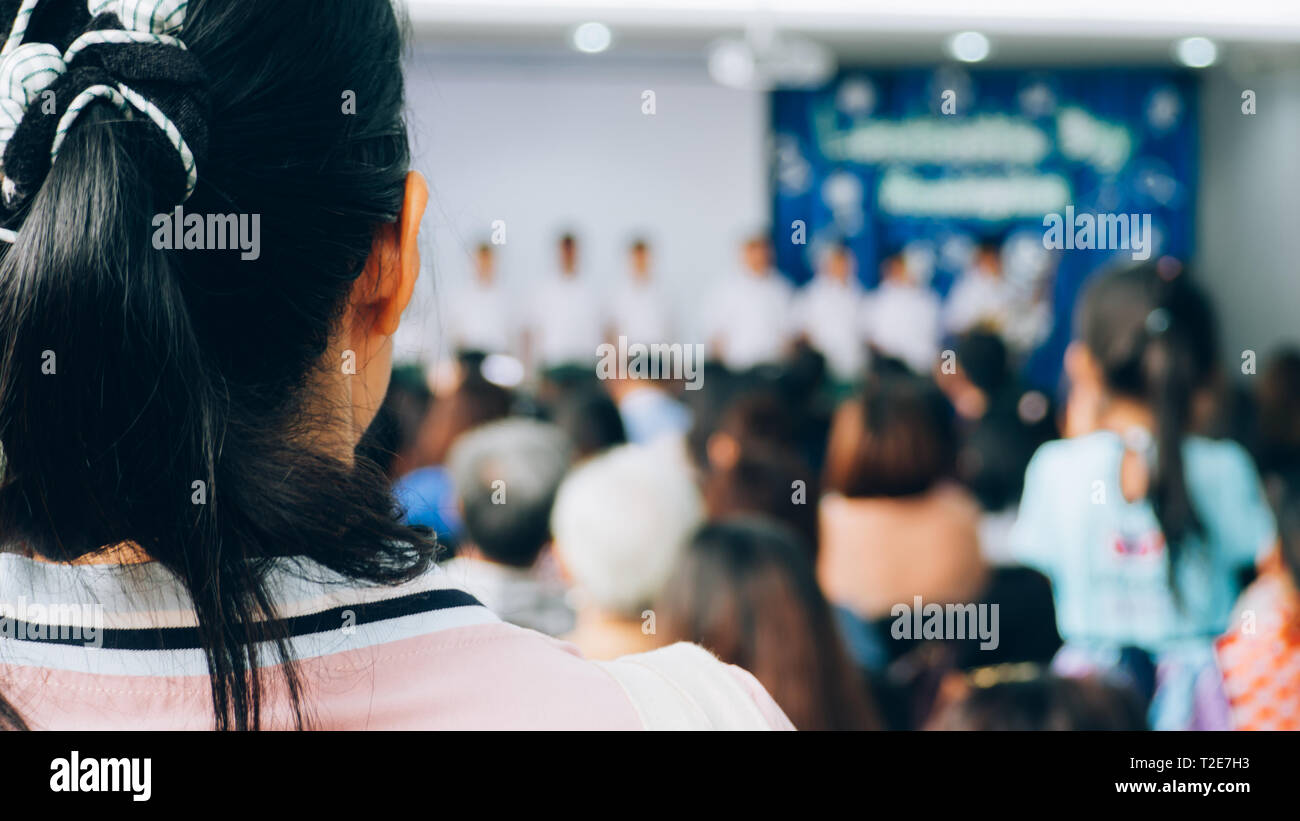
point(833, 218)
point(514, 121)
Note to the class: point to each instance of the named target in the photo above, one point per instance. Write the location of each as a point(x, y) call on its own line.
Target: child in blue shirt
point(1143, 528)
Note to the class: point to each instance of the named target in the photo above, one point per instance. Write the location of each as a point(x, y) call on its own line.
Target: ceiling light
point(969, 46)
point(592, 38)
point(1196, 52)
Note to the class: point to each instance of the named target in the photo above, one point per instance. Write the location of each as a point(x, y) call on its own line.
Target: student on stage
point(901, 317)
point(566, 318)
point(749, 317)
point(981, 295)
point(828, 313)
point(479, 317)
point(639, 309)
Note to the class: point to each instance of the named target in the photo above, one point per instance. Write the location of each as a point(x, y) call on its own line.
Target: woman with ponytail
point(209, 231)
point(1144, 527)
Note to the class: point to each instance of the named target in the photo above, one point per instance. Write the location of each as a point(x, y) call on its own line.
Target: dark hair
point(1278, 392)
point(528, 457)
point(983, 358)
point(762, 481)
point(1045, 702)
point(1153, 337)
point(990, 245)
point(1285, 497)
point(475, 402)
point(994, 456)
point(178, 367)
point(707, 408)
point(896, 439)
point(758, 418)
point(746, 590)
point(591, 420)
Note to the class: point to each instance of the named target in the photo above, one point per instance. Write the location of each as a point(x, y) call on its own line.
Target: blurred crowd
point(859, 501)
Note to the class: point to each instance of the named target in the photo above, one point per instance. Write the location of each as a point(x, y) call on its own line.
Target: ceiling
point(1250, 33)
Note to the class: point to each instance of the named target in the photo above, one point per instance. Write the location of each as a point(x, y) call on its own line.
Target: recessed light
point(1196, 52)
point(969, 46)
point(592, 38)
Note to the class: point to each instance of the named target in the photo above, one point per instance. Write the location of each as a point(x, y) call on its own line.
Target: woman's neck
point(125, 553)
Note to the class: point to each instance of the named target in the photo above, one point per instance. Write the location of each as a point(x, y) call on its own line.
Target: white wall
point(1249, 211)
point(552, 143)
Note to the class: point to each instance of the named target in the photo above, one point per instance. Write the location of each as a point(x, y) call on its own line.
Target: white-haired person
point(619, 524)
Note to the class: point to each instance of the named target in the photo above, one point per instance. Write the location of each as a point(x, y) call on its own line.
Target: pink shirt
point(113, 647)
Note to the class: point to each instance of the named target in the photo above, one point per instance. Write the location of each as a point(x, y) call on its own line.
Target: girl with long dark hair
point(210, 227)
point(1142, 525)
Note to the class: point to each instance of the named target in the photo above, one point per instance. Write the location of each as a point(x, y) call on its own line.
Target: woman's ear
point(385, 287)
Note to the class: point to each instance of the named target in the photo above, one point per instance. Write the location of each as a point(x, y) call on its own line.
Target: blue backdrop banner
point(930, 163)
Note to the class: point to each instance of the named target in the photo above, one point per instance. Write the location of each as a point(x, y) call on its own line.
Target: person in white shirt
point(828, 310)
point(901, 317)
point(749, 321)
point(639, 310)
point(981, 297)
point(479, 319)
point(567, 320)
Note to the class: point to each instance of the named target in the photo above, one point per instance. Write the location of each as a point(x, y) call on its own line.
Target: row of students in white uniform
point(751, 317)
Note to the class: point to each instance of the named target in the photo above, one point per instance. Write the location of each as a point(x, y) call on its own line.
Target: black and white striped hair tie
point(31, 71)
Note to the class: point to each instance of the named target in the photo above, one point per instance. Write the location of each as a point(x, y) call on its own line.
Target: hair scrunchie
point(61, 56)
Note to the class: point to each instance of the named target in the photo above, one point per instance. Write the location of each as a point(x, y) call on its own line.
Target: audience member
point(1260, 654)
point(1277, 446)
point(506, 475)
point(768, 481)
point(426, 493)
point(619, 523)
point(1141, 526)
point(591, 421)
point(746, 590)
point(1021, 698)
point(893, 523)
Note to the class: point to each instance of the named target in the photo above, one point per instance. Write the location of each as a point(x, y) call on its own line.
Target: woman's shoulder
point(1075, 450)
point(685, 687)
point(1219, 458)
point(467, 669)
